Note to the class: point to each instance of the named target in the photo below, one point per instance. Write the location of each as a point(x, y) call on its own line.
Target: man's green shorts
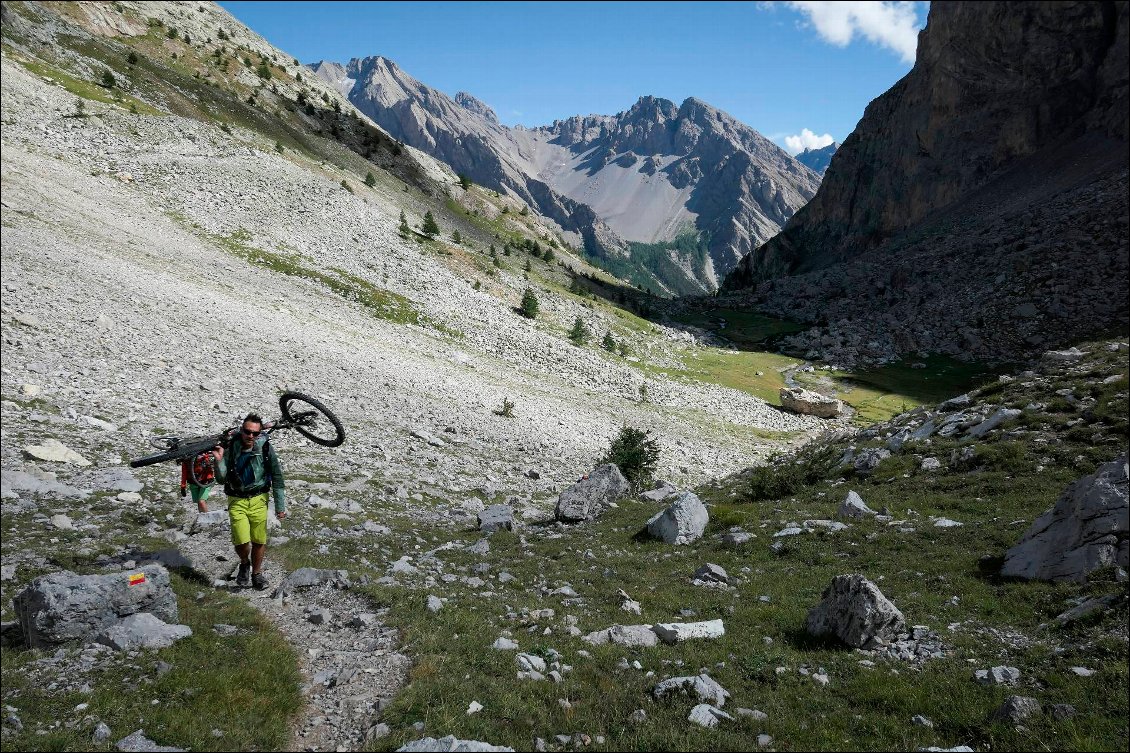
point(248, 519)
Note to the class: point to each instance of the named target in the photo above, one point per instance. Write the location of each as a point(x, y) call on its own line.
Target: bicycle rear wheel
point(312, 419)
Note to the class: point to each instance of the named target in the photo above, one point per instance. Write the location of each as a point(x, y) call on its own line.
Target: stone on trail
point(682, 522)
point(450, 744)
point(809, 403)
point(139, 743)
point(589, 497)
point(1085, 530)
point(206, 520)
point(854, 610)
point(496, 517)
point(309, 577)
point(64, 606)
point(142, 630)
point(853, 506)
point(678, 632)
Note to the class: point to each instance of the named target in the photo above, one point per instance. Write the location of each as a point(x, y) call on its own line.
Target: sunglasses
point(249, 433)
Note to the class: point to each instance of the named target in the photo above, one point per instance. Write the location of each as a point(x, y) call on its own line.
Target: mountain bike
point(305, 414)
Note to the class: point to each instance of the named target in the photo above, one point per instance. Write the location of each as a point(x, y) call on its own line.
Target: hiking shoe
point(259, 580)
point(243, 577)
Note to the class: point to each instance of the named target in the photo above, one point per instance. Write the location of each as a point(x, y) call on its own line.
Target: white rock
point(677, 632)
point(56, 452)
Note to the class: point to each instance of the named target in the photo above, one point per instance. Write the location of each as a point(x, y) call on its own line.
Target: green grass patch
point(745, 329)
point(384, 304)
point(87, 89)
point(739, 370)
point(245, 686)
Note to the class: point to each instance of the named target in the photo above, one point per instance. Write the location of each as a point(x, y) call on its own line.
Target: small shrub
point(370, 179)
point(405, 231)
point(635, 454)
point(430, 228)
point(263, 71)
point(506, 409)
point(455, 236)
point(108, 79)
point(609, 343)
point(525, 210)
point(548, 255)
point(172, 33)
point(783, 476)
point(279, 147)
point(132, 58)
point(464, 182)
point(346, 186)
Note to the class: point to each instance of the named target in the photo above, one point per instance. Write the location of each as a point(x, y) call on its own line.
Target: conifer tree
point(405, 231)
point(430, 228)
point(370, 179)
point(529, 304)
point(580, 333)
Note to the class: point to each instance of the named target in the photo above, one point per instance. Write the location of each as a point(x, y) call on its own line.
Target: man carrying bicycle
point(250, 470)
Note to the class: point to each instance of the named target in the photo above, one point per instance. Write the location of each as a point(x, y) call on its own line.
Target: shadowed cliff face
point(994, 83)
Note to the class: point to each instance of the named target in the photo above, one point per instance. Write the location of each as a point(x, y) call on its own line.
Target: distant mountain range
point(670, 196)
point(818, 160)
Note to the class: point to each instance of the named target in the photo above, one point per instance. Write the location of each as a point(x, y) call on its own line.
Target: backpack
point(202, 472)
point(233, 484)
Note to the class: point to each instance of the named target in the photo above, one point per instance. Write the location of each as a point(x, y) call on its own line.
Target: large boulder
point(853, 506)
point(810, 403)
point(61, 607)
point(1086, 530)
point(854, 610)
point(496, 517)
point(449, 744)
point(682, 522)
point(587, 498)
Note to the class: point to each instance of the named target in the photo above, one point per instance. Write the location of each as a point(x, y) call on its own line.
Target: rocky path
point(348, 658)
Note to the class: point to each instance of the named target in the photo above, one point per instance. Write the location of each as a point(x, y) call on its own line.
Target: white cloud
point(893, 25)
point(806, 139)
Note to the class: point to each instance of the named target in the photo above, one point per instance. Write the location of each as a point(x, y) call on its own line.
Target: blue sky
point(781, 68)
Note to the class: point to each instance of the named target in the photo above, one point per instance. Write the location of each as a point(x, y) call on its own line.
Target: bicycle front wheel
point(312, 419)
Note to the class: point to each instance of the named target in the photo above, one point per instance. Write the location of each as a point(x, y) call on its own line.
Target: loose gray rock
point(678, 632)
point(854, 609)
point(662, 491)
point(101, 733)
point(309, 577)
point(434, 604)
point(64, 606)
point(450, 744)
point(993, 421)
point(853, 507)
point(1085, 530)
point(997, 676)
point(703, 687)
point(142, 630)
point(682, 522)
point(624, 635)
point(869, 459)
point(587, 498)
point(504, 644)
point(139, 743)
point(1016, 709)
point(711, 573)
point(496, 517)
point(706, 715)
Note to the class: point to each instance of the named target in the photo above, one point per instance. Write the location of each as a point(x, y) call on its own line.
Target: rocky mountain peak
point(477, 106)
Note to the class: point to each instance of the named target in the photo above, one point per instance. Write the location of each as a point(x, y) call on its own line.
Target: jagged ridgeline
point(642, 176)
